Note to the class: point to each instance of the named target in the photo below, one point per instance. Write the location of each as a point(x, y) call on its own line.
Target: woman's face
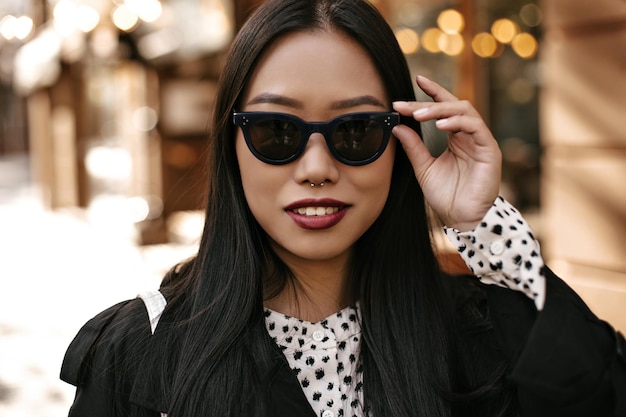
point(315, 76)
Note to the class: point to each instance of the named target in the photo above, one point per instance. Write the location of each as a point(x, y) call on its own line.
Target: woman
point(315, 290)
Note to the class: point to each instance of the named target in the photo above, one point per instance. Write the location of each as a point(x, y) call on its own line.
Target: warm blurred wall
point(582, 113)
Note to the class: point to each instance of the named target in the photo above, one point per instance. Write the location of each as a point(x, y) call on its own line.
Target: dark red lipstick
point(317, 214)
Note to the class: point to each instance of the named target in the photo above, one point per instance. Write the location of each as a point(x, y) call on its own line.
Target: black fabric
point(99, 360)
point(562, 361)
point(79, 348)
point(565, 362)
point(284, 395)
point(149, 389)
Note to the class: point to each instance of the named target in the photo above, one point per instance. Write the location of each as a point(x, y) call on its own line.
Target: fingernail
point(441, 122)
point(420, 112)
point(399, 103)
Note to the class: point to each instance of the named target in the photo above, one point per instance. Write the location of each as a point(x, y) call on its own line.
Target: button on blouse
point(324, 357)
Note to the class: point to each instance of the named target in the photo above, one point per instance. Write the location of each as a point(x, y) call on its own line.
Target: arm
point(564, 360)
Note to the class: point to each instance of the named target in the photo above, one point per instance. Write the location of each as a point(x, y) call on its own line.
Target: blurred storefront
point(111, 101)
point(112, 98)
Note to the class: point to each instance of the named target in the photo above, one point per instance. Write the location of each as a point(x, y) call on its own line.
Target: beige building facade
point(583, 137)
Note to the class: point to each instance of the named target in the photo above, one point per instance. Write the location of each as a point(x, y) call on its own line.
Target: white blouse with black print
point(502, 251)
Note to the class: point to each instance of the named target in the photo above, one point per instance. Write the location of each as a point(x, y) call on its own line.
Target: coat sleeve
point(564, 360)
point(102, 361)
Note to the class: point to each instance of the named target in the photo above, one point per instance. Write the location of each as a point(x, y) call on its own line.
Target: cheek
point(261, 182)
point(383, 168)
point(246, 162)
point(377, 182)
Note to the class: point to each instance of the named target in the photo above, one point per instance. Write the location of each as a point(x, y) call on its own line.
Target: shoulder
point(115, 333)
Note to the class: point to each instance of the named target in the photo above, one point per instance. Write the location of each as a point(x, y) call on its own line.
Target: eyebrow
point(337, 105)
point(356, 101)
point(276, 99)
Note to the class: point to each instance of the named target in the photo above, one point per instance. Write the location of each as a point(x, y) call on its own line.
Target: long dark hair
point(221, 343)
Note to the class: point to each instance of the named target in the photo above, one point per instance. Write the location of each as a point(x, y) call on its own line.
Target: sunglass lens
point(358, 140)
point(275, 139)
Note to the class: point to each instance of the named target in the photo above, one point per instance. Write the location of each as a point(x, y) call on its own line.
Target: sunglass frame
point(387, 120)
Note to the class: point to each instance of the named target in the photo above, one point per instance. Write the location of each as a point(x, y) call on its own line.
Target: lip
point(325, 221)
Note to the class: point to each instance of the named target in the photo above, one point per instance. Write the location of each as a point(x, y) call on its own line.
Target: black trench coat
point(563, 361)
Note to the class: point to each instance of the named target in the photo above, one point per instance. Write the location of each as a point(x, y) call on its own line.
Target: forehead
point(316, 68)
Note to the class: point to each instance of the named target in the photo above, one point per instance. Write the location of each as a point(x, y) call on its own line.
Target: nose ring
point(321, 184)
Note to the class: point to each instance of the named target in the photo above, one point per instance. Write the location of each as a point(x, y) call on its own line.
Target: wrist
point(464, 226)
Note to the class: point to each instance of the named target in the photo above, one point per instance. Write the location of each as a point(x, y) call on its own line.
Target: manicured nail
point(399, 104)
point(420, 112)
point(441, 122)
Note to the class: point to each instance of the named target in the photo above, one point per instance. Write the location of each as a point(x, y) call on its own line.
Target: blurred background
point(105, 108)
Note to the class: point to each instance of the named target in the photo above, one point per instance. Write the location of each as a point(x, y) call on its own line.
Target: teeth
point(316, 211)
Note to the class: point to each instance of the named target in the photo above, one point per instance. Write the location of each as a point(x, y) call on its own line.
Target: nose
point(316, 164)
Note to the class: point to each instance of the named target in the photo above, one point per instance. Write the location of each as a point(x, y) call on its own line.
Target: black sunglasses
point(353, 139)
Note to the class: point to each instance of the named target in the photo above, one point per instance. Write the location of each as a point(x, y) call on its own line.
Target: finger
point(444, 110)
point(414, 147)
point(407, 108)
point(473, 127)
point(480, 146)
point(469, 125)
point(434, 90)
point(425, 111)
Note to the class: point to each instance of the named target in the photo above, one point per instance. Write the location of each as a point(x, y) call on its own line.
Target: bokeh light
point(144, 118)
point(88, 18)
point(146, 10)
point(525, 45)
point(7, 27)
point(504, 30)
point(430, 39)
point(484, 45)
point(124, 18)
point(408, 40)
point(66, 17)
point(451, 43)
point(531, 15)
point(109, 163)
point(450, 21)
point(24, 27)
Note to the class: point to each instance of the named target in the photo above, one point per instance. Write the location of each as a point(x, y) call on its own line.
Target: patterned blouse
point(502, 251)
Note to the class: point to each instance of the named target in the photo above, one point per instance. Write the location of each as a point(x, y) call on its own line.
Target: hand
point(462, 183)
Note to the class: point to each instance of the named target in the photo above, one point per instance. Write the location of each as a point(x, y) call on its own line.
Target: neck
point(318, 289)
